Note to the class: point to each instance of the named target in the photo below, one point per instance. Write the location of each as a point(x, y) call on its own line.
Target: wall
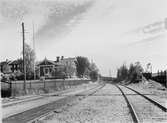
point(38, 86)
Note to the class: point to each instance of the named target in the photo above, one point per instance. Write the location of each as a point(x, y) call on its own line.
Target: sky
point(109, 32)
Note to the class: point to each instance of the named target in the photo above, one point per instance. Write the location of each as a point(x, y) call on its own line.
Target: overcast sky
point(110, 32)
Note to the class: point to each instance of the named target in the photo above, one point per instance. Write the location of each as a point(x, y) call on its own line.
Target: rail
point(149, 99)
point(132, 111)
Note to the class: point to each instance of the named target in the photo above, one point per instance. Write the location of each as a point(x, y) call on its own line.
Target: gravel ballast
point(105, 106)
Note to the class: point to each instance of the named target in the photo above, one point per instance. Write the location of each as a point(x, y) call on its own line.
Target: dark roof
point(4, 62)
point(46, 62)
point(19, 61)
point(60, 63)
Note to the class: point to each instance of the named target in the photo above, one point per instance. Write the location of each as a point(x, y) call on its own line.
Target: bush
point(93, 75)
point(19, 76)
point(6, 77)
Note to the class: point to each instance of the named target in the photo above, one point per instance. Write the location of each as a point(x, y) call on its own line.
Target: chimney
point(62, 57)
point(58, 58)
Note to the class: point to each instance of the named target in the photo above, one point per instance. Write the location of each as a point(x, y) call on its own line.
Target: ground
point(102, 107)
point(105, 106)
point(152, 87)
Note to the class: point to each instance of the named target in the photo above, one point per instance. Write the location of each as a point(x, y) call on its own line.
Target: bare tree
point(29, 60)
point(70, 68)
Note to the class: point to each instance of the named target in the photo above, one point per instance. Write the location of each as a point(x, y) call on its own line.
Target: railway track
point(135, 115)
point(38, 97)
point(32, 115)
point(163, 108)
point(130, 106)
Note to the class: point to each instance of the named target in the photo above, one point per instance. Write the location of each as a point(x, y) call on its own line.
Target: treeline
point(133, 73)
point(85, 68)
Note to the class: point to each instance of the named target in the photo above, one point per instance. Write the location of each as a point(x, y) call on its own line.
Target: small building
point(11, 66)
point(48, 68)
point(16, 65)
point(57, 69)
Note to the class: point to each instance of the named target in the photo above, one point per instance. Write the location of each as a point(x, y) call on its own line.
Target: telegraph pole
point(34, 51)
point(165, 77)
point(24, 67)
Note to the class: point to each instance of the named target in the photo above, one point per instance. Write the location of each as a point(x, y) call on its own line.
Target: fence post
point(14, 89)
point(63, 85)
point(30, 84)
point(44, 83)
point(10, 88)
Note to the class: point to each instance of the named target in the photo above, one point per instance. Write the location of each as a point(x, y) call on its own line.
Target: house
point(16, 65)
point(48, 68)
point(55, 69)
point(11, 66)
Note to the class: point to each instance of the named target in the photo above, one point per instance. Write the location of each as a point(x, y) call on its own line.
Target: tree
point(93, 71)
point(70, 68)
point(139, 68)
point(133, 74)
point(6, 68)
point(29, 60)
point(122, 72)
point(93, 67)
point(93, 75)
point(82, 63)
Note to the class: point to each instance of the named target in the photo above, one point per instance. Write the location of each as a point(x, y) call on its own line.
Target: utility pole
point(165, 74)
point(24, 67)
point(34, 52)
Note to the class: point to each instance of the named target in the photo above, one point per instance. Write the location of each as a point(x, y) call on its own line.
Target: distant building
point(11, 66)
point(59, 68)
point(16, 65)
point(48, 68)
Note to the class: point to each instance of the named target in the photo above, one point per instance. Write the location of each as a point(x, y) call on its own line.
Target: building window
point(46, 70)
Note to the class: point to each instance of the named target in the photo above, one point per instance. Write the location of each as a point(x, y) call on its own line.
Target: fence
point(159, 77)
point(15, 88)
